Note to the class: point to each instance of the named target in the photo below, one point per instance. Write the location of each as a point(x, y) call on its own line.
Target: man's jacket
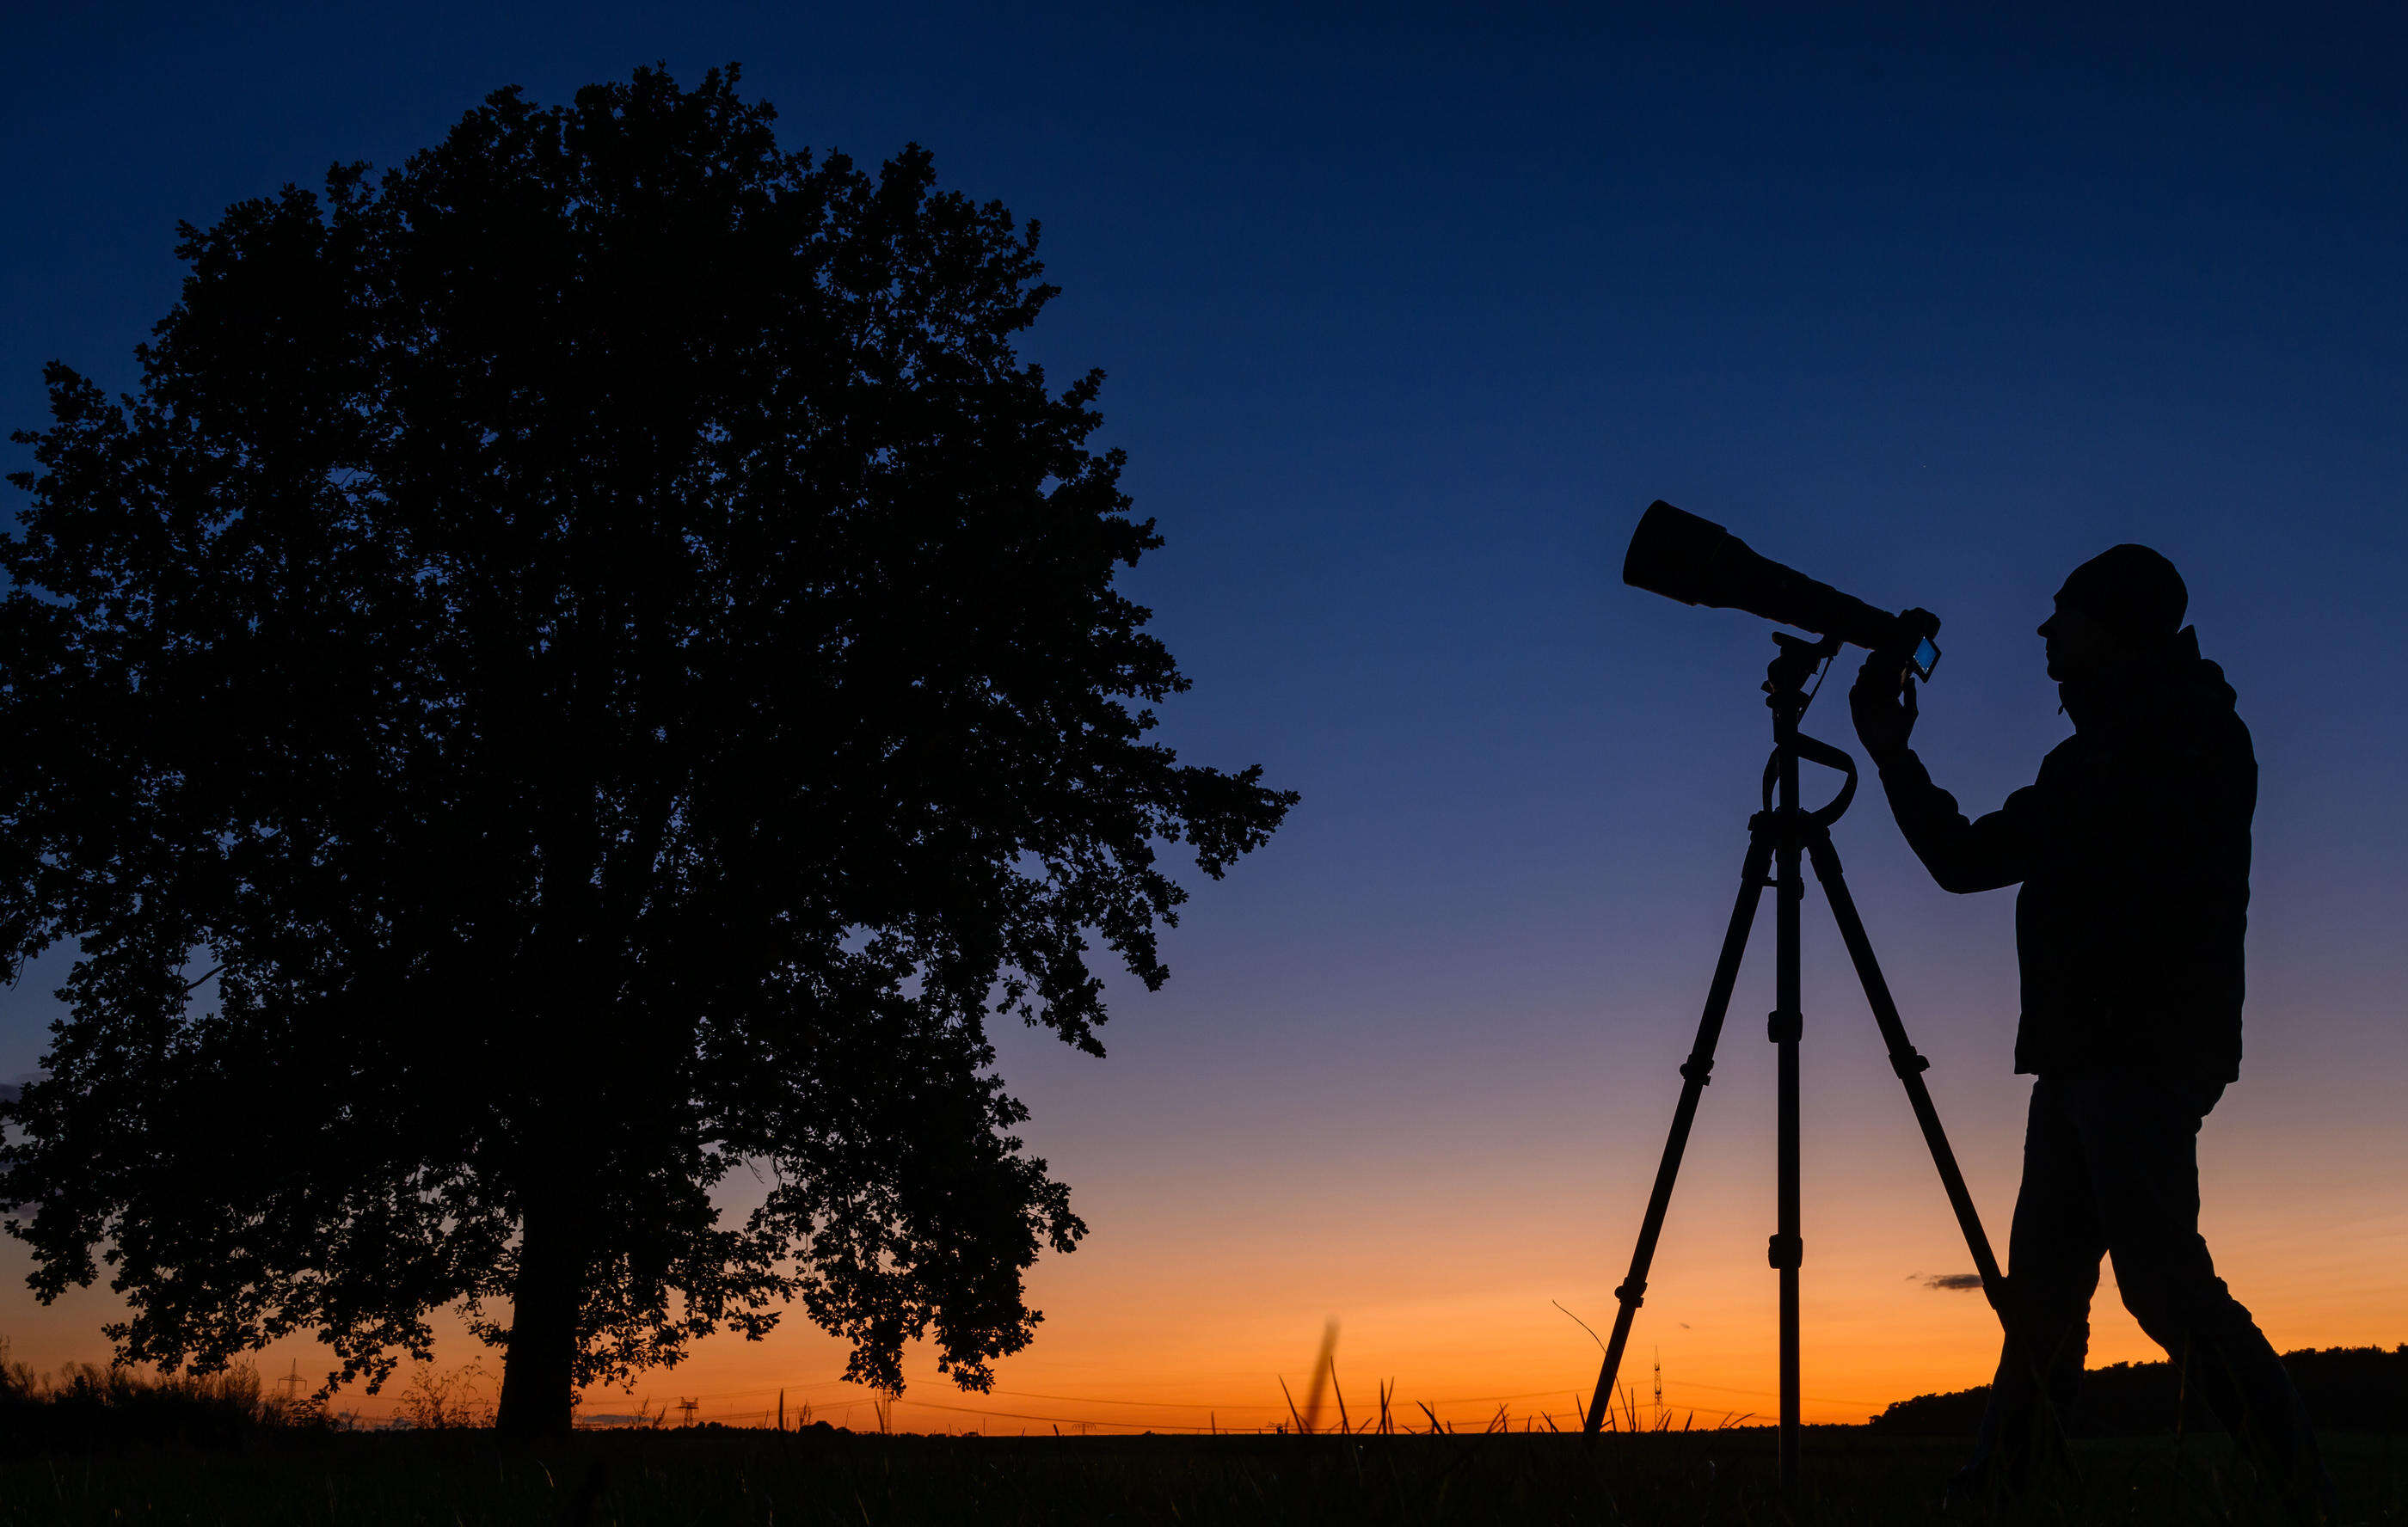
point(2133, 848)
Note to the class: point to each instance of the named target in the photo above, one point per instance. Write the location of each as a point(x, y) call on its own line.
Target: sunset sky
point(1406, 319)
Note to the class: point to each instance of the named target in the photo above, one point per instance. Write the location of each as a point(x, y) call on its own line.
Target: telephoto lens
point(1680, 556)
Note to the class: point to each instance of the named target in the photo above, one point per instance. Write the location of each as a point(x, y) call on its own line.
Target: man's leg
point(2053, 1255)
point(2141, 1133)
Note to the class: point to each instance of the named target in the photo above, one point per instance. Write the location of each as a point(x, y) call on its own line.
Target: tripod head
point(1795, 664)
point(1785, 693)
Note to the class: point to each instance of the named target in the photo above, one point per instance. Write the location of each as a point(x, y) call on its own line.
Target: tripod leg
point(1695, 1071)
point(1785, 1025)
point(1909, 1064)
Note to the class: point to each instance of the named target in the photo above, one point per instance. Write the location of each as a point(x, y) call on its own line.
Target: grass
point(116, 1445)
point(713, 1476)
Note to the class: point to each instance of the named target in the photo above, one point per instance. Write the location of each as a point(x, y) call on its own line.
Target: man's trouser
point(2111, 1168)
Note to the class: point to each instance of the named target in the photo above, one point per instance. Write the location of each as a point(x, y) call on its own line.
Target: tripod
point(1779, 837)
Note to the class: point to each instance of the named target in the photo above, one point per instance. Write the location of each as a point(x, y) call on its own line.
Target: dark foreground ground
point(708, 1477)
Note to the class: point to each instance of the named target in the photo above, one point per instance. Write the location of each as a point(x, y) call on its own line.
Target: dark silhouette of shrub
point(85, 1407)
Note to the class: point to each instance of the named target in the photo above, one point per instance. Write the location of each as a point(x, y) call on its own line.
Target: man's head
point(2125, 603)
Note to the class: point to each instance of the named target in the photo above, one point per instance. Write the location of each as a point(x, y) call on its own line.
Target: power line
point(1213, 1406)
point(1768, 1394)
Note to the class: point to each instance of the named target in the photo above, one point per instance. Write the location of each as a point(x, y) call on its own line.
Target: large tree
point(586, 665)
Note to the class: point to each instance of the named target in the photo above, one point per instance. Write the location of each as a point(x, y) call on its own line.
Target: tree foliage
point(587, 664)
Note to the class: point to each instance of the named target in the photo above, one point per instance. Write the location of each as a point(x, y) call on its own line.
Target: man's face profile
point(2116, 606)
point(2078, 645)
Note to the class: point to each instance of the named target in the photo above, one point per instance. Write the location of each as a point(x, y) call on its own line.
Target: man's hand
point(1882, 701)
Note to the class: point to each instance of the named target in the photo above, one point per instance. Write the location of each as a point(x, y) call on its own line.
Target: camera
point(1680, 556)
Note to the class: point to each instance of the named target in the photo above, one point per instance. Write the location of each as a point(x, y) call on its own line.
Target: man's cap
point(2130, 589)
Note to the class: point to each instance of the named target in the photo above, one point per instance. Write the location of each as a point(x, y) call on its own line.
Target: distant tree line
point(2345, 1389)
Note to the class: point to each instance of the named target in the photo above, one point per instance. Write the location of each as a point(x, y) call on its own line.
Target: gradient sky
point(1405, 321)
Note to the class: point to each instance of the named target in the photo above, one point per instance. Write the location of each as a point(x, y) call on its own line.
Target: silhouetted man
point(2133, 848)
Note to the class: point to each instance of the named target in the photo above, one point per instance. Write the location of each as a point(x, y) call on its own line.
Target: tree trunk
point(538, 1368)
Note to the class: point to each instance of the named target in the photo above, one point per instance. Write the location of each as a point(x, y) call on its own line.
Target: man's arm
point(1963, 856)
point(1979, 855)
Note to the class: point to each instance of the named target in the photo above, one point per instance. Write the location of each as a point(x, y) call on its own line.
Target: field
point(713, 1476)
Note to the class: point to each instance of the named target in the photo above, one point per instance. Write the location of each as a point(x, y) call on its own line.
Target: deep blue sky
point(1406, 318)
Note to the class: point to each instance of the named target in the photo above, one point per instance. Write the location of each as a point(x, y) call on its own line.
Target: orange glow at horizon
point(1199, 1291)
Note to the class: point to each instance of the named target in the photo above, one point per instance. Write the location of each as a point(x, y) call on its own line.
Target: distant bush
point(440, 1401)
point(2345, 1389)
point(85, 1405)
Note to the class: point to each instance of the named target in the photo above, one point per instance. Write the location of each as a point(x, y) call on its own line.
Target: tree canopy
point(587, 663)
